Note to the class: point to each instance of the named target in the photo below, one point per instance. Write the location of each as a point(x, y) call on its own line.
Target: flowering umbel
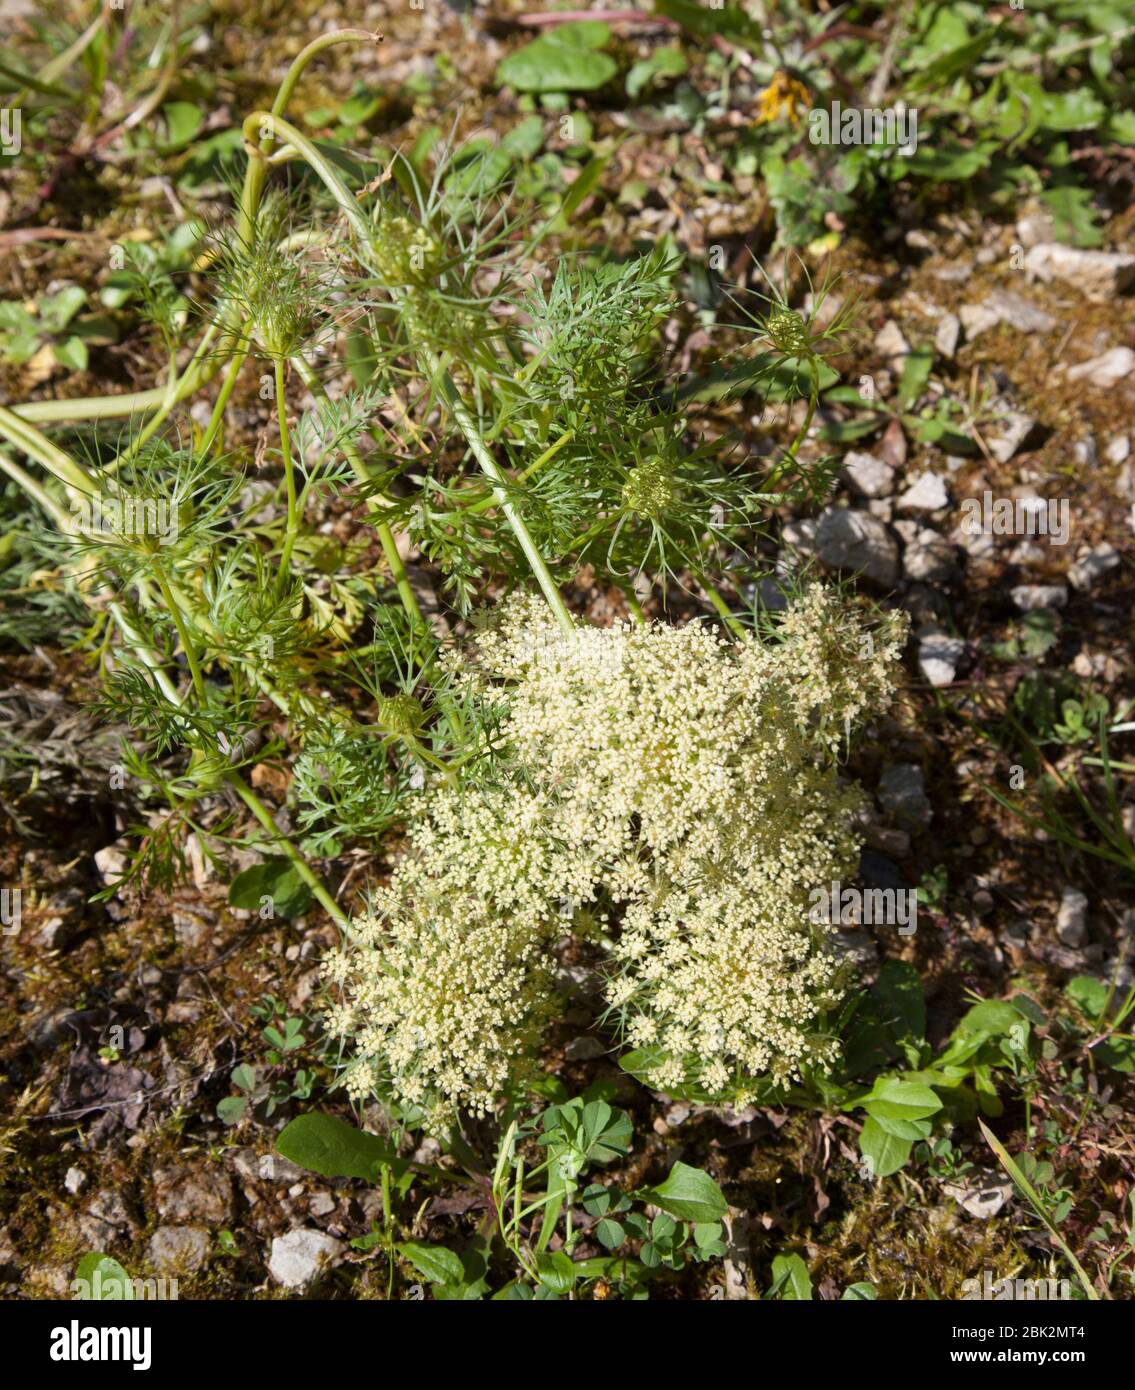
point(678, 794)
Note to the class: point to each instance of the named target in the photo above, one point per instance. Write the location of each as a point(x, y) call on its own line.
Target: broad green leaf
point(106, 1280)
point(1079, 109)
point(1117, 1052)
point(274, 886)
point(71, 353)
point(915, 374)
point(690, 1194)
point(790, 1280)
point(895, 1098)
point(859, 1293)
point(899, 991)
point(563, 60)
point(730, 21)
point(556, 1271)
point(950, 64)
point(525, 139)
point(609, 1233)
point(885, 1153)
point(329, 1146)
point(57, 310)
point(902, 1128)
point(231, 1110)
point(1073, 214)
point(433, 1262)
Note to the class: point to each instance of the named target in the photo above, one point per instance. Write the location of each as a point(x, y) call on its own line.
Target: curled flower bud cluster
point(404, 252)
point(677, 794)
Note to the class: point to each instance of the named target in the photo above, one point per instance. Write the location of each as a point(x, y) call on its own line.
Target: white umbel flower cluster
point(675, 793)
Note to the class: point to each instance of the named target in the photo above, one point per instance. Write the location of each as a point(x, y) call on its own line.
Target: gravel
point(850, 540)
point(1099, 275)
point(1029, 597)
point(300, 1257)
point(927, 493)
point(869, 475)
point(1092, 564)
point(1109, 369)
point(1072, 919)
point(939, 655)
point(902, 795)
point(179, 1249)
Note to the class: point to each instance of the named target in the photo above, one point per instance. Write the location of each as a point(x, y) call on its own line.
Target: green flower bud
point(651, 490)
point(404, 252)
point(788, 332)
point(401, 714)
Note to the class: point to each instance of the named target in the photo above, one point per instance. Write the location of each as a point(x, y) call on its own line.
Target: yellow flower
point(784, 94)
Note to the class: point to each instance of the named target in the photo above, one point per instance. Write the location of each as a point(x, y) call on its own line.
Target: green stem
point(385, 536)
point(813, 398)
point(257, 171)
point(633, 604)
point(216, 420)
point(263, 815)
point(546, 457)
point(289, 468)
point(723, 609)
point(499, 484)
point(267, 121)
point(202, 367)
point(38, 447)
point(183, 633)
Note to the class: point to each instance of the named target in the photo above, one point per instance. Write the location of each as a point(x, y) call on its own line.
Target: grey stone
point(1003, 306)
point(890, 343)
point(800, 534)
point(179, 1249)
point(74, 1180)
point(1072, 919)
point(1084, 452)
point(275, 1168)
point(1109, 369)
point(1092, 565)
point(107, 1205)
point(584, 1048)
point(1029, 597)
point(902, 794)
point(858, 947)
point(1118, 449)
point(184, 1195)
point(111, 864)
point(1026, 553)
point(850, 540)
point(947, 334)
point(896, 843)
point(299, 1258)
point(929, 558)
point(939, 655)
point(981, 1199)
point(1100, 275)
point(927, 493)
point(1009, 434)
point(869, 475)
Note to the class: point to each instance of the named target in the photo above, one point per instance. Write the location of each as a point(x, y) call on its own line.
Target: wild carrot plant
point(665, 794)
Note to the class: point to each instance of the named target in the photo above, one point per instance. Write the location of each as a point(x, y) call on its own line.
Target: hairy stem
point(289, 467)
